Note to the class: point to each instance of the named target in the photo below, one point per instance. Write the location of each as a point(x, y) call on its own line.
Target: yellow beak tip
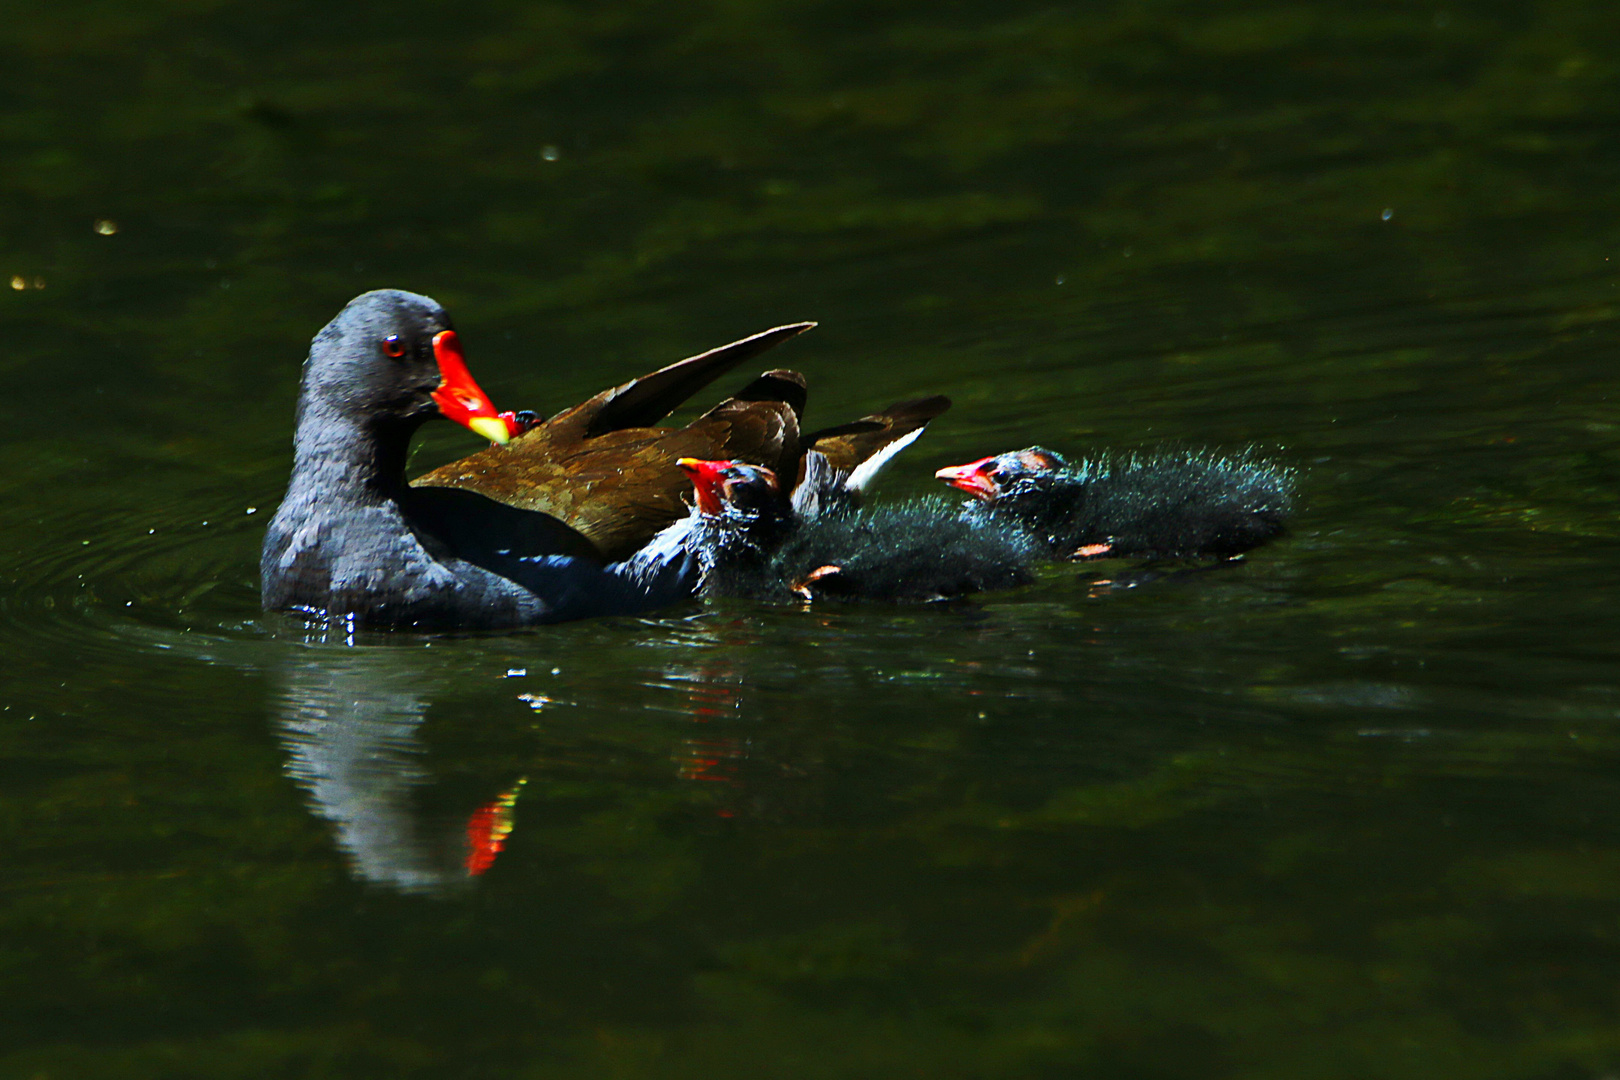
point(491, 428)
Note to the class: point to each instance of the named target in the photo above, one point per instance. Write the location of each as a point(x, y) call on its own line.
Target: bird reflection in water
point(713, 692)
point(349, 720)
point(710, 690)
point(745, 757)
point(488, 829)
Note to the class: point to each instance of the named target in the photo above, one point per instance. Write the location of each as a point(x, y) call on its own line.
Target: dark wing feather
point(764, 418)
point(644, 401)
point(782, 385)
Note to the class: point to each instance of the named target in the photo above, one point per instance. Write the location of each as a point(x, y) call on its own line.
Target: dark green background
point(1348, 808)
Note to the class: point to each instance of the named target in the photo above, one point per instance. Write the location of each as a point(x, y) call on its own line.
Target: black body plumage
point(822, 544)
point(915, 551)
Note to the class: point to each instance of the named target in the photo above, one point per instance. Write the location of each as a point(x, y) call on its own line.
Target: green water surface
point(1348, 808)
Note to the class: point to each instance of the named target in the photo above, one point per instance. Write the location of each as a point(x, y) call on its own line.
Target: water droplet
point(550, 153)
point(1387, 214)
point(556, 671)
point(1060, 279)
point(19, 282)
point(253, 509)
point(106, 226)
point(39, 283)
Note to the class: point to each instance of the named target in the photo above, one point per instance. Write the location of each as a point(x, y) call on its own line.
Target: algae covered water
point(1347, 807)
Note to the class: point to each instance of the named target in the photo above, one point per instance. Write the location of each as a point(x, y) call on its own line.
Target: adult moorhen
point(755, 540)
point(1164, 505)
point(353, 540)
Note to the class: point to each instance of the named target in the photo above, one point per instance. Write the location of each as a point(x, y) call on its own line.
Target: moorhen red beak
point(459, 397)
point(972, 478)
point(715, 482)
point(986, 478)
point(706, 483)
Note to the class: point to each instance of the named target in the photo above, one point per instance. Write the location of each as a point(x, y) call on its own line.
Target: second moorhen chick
point(353, 541)
point(757, 541)
point(1164, 505)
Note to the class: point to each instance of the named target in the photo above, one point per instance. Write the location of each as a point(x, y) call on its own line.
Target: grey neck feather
point(336, 452)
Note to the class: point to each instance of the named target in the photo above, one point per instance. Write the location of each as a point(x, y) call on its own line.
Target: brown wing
point(602, 468)
point(779, 384)
point(764, 418)
point(644, 401)
point(621, 487)
point(621, 498)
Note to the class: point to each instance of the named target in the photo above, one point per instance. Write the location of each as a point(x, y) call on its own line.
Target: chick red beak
point(707, 480)
point(973, 478)
point(459, 398)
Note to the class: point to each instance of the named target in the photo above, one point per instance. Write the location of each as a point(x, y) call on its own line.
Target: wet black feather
point(1163, 505)
point(912, 552)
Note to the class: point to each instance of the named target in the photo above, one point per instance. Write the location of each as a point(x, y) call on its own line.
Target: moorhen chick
point(754, 540)
point(352, 540)
point(1166, 505)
